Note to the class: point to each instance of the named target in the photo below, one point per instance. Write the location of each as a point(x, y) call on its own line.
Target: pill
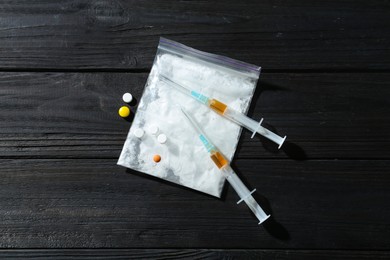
point(124, 111)
point(157, 158)
point(162, 138)
point(153, 129)
point(139, 133)
point(127, 97)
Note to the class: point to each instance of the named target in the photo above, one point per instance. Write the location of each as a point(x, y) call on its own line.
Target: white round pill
point(127, 97)
point(162, 139)
point(139, 133)
point(153, 129)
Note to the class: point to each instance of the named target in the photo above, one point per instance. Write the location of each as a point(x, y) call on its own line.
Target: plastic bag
point(183, 158)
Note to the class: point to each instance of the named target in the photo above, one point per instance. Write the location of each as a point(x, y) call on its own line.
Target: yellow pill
point(124, 111)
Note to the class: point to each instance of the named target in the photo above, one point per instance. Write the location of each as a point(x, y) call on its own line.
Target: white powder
point(184, 160)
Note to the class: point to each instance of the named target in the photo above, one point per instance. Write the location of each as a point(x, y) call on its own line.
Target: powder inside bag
point(184, 159)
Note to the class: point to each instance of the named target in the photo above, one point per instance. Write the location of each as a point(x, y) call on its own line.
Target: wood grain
point(89, 203)
point(74, 115)
point(64, 66)
point(123, 35)
point(191, 254)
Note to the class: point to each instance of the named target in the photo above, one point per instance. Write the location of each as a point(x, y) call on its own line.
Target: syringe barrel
point(244, 194)
point(253, 126)
point(241, 119)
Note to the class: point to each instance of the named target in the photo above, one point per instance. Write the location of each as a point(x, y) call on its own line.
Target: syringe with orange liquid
point(224, 166)
point(227, 112)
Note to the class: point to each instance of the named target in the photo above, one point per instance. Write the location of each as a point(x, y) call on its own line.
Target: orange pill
point(157, 158)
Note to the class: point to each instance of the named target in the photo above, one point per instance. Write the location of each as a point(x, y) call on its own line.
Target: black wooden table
point(325, 83)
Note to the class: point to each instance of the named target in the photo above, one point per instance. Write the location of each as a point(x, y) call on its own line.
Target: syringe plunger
point(254, 126)
point(245, 194)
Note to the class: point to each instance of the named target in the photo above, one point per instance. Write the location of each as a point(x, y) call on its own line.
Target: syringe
point(225, 111)
point(223, 164)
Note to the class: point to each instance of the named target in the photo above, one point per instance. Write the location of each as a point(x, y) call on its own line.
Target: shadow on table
point(273, 227)
point(130, 118)
point(292, 150)
point(133, 102)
